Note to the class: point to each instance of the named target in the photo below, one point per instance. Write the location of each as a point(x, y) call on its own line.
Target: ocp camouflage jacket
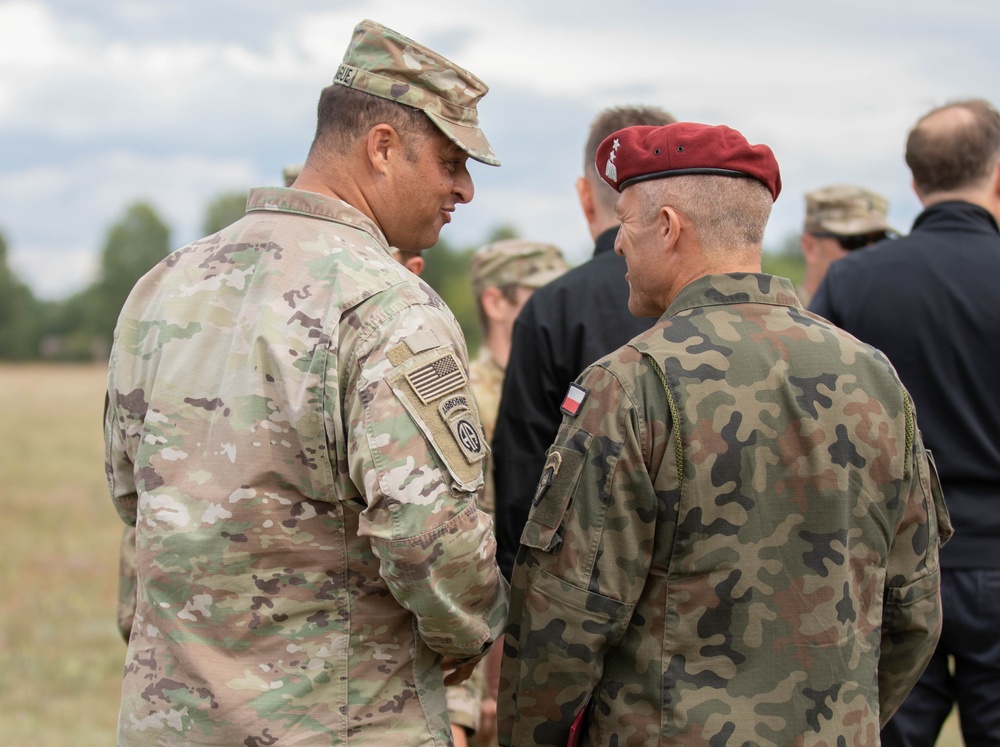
point(291, 430)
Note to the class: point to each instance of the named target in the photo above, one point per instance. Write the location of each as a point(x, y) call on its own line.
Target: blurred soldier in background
point(412, 261)
point(735, 537)
point(290, 173)
point(291, 432)
point(839, 219)
point(504, 275)
point(931, 302)
point(563, 328)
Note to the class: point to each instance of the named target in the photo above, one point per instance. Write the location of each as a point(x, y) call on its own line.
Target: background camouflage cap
point(845, 210)
point(515, 262)
point(291, 172)
point(384, 63)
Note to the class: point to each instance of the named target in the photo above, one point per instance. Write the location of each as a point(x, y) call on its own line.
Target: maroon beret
point(644, 152)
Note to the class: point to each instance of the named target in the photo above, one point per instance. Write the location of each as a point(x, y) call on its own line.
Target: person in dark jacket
point(564, 327)
point(931, 303)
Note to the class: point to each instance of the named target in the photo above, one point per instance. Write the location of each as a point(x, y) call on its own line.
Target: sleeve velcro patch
point(563, 467)
point(433, 389)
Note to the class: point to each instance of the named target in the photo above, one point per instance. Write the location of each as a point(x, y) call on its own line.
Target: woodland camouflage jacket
point(735, 539)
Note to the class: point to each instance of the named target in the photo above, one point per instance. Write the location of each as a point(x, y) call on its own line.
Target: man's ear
point(414, 265)
point(809, 248)
point(670, 226)
point(382, 145)
point(585, 193)
point(493, 303)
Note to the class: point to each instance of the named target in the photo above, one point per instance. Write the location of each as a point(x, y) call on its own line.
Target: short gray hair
point(728, 213)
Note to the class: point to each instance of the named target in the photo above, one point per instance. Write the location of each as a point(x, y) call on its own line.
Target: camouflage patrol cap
point(384, 63)
point(845, 210)
point(515, 262)
point(291, 172)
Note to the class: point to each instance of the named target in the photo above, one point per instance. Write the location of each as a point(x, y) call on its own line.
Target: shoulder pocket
point(563, 466)
point(434, 389)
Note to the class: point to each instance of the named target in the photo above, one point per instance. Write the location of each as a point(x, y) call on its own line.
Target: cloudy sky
point(177, 102)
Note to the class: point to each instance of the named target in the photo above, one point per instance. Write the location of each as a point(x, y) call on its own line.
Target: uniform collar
point(606, 241)
point(734, 288)
point(942, 215)
point(313, 205)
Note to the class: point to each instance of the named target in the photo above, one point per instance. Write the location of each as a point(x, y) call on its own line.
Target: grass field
point(60, 655)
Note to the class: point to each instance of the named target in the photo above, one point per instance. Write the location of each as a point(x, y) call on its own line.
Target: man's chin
point(642, 310)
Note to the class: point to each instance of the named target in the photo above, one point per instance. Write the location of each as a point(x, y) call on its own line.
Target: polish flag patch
point(574, 400)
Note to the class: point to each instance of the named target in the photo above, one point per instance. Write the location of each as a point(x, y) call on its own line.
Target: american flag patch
point(575, 398)
point(437, 378)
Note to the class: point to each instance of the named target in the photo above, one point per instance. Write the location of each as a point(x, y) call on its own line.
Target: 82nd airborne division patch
point(455, 411)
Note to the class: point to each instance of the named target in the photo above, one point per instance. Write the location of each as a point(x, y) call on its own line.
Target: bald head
point(954, 148)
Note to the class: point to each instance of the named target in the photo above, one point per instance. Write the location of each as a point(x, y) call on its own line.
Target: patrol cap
point(384, 63)
point(644, 152)
point(846, 210)
point(291, 172)
point(515, 262)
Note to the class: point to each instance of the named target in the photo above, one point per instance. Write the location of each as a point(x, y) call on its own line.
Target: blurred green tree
point(20, 327)
point(133, 246)
point(224, 210)
point(786, 260)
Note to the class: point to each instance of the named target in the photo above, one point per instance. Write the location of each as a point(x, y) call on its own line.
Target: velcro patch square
point(574, 400)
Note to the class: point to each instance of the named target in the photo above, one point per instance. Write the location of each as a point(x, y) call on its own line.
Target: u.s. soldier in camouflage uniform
point(291, 430)
point(504, 274)
point(735, 539)
point(840, 219)
point(127, 582)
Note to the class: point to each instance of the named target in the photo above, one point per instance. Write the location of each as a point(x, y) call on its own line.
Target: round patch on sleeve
point(464, 426)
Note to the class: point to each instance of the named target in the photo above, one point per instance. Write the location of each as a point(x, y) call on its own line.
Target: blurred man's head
point(394, 132)
point(290, 173)
point(504, 275)
point(596, 198)
point(840, 219)
point(954, 153)
point(694, 201)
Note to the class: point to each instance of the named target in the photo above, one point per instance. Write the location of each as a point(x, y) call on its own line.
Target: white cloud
point(56, 218)
point(102, 107)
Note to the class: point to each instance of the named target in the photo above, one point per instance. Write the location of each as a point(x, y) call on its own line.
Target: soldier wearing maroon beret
point(735, 537)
